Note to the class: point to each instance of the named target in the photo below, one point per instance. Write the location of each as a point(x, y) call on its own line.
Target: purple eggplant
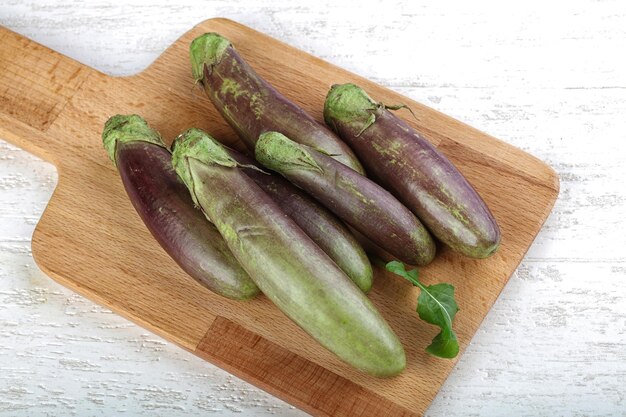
point(323, 227)
point(420, 176)
point(252, 106)
point(163, 203)
point(291, 270)
point(355, 199)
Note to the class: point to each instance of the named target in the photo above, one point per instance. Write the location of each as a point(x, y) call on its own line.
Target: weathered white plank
point(547, 77)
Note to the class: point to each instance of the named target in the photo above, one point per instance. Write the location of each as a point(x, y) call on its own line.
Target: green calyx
point(279, 153)
point(206, 50)
point(199, 145)
point(127, 128)
point(347, 103)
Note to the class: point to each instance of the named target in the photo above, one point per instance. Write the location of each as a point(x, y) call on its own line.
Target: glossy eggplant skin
point(252, 106)
point(323, 227)
point(291, 270)
point(355, 199)
point(163, 203)
point(420, 176)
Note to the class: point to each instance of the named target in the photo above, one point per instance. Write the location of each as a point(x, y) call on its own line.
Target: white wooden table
point(548, 79)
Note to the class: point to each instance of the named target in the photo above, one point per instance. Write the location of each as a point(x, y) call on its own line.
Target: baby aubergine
point(355, 199)
point(251, 105)
point(290, 269)
point(420, 176)
point(163, 203)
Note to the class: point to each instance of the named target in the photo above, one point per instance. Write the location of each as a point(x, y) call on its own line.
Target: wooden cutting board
point(91, 240)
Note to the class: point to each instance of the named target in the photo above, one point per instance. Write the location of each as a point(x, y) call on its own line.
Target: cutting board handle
point(36, 84)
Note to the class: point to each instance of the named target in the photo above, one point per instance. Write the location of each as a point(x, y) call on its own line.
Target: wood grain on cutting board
point(92, 241)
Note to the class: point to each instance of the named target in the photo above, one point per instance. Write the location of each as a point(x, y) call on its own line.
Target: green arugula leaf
point(435, 305)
